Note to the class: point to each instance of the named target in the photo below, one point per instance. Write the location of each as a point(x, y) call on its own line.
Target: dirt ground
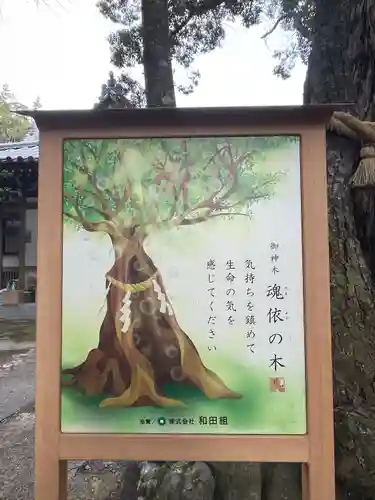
point(17, 360)
point(87, 481)
point(20, 330)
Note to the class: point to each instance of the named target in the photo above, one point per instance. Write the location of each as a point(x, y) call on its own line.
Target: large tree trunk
point(341, 69)
point(157, 57)
point(141, 345)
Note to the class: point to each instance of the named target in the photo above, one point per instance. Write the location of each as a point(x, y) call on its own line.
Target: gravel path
point(17, 466)
point(20, 312)
point(17, 357)
point(17, 373)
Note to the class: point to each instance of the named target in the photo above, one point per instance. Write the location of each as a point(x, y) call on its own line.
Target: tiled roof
point(19, 151)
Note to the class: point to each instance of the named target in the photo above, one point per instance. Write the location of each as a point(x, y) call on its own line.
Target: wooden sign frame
point(315, 449)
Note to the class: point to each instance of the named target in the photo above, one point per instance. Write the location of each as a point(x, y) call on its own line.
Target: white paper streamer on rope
point(165, 306)
point(125, 312)
point(161, 297)
point(170, 309)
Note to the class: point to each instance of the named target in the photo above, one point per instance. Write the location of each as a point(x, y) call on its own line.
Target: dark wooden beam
point(1, 247)
point(22, 246)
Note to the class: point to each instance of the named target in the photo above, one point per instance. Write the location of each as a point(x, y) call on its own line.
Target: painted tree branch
point(197, 220)
point(175, 198)
point(184, 175)
point(91, 227)
point(209, 202)
point(180, 187)
point(101, 196)
point(216, 201)
point(120, 201)
point(216, 212)
point(105, 226)
point(96, 192)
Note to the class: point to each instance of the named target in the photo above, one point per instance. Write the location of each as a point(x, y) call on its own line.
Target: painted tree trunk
point(141, 345)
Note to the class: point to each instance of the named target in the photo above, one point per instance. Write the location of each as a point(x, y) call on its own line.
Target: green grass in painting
point(250, 414)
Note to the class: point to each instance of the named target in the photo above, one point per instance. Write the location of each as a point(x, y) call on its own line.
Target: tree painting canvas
point(183, 286)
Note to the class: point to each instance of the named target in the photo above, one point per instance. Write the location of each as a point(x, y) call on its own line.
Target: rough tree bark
point(157, 60)
point(141, 345)
point(342, 69)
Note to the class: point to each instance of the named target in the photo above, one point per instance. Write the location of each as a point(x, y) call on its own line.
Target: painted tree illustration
point(128, 188)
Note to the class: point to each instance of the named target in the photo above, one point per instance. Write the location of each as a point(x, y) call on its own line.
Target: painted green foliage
point(159, 182)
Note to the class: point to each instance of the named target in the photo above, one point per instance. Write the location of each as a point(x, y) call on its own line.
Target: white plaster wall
point(10, 261)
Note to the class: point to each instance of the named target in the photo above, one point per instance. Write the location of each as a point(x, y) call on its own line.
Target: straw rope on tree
point(349, 126)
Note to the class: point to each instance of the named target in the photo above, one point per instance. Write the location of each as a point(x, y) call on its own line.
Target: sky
point(60, 53)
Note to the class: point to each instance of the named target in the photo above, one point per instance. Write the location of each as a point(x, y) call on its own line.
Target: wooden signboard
point(183, 308)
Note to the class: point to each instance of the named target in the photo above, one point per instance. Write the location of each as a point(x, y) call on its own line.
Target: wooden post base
point(315, 485)
point(51, 478)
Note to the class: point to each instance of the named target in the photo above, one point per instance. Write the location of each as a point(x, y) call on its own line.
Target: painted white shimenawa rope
point(164, 304)
point(125, 312)
point(161, 297)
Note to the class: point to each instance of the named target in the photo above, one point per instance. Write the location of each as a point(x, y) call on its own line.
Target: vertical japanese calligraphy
point(250, 318)
point(211, 267)
point(277, 316)
point(230, 303)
